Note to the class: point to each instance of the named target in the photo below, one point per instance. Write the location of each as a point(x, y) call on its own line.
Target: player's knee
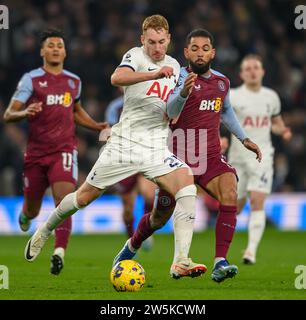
point(85, 195)
point(256, 204)
point(188, 191)
point(186, 177)
point(149, 199)
point(180, 178)
point(83, 200)
point(128, 205)
point(229, 196)
point(241, 204)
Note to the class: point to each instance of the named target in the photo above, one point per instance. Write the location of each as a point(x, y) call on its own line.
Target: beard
point(199, 69)
point(54, 63)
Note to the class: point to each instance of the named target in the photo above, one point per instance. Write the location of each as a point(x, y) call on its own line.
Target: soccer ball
point(127, 275)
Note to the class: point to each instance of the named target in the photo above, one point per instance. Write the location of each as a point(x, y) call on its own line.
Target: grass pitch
point(89, 258)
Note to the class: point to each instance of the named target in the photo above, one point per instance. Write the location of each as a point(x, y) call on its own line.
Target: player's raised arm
point(82, 118)
point(229, 119)
point(131, 69)
point(279, 128)
point(125, 76)
point(16, 111)
point(178, 97)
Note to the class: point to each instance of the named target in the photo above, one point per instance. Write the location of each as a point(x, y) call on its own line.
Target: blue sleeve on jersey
point(229, 119)
point(111, 113)
point(24, 89)
point(78, 97)
point(176, 102)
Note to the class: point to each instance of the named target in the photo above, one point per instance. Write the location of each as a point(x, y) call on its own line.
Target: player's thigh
point(260, 178)
point(112, 166)
point(224, 188)
point(241, 203)
point(173, 181)
point(62, 167)
point(167, 171)
point(62, 173)
point(146, 188)
point(126, 186)
point(35, 183)
point(228, 188)
point(128, 201)
point(60, 189)
point(219, 180)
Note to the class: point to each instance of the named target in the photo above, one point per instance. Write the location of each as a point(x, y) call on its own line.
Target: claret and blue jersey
point(52, 129)
point(207, 105)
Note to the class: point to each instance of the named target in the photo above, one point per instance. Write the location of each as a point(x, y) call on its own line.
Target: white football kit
point(254, 111)
point(138, 142)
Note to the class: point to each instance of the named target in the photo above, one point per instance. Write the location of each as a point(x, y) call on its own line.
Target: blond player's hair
point(251, 56)
point(156, 22)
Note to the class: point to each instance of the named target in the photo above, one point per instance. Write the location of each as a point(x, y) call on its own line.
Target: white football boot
point(35, 244)
point(186, 268)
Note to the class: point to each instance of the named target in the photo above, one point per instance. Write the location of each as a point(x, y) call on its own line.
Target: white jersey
point(254, 111)
point(143, 117)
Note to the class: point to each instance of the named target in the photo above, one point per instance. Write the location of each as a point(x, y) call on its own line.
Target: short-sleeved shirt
point(254, 111)
point(201, 116)
point(52, 129)
point(113, 110)
point(143, 117)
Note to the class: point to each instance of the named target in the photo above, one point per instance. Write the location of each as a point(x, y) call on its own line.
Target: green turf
point(88, 263)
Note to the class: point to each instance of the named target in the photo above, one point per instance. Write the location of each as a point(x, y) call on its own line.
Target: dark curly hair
point(200, 33)
point(51, 33)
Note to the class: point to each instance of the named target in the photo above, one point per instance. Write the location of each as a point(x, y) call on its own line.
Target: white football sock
point(130, 246)
point(183, 221)
point(67, 207)
point(256, 228)
point(217, 259)
point(60, 252)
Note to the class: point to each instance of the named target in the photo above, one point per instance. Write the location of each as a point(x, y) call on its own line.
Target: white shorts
point(254, 176)
point(119, 161)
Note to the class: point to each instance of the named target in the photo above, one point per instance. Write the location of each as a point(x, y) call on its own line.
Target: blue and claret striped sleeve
point(176, 102)
point(229, 119)
point(24, 89)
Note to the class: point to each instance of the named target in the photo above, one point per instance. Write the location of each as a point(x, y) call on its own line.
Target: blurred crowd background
point(100, 32)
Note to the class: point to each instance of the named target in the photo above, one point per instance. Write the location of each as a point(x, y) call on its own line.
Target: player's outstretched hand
point(287, 134)
point(33, 108)
point(249, 144)
point(188, 84)
point(102, 125)
point(164, 72)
